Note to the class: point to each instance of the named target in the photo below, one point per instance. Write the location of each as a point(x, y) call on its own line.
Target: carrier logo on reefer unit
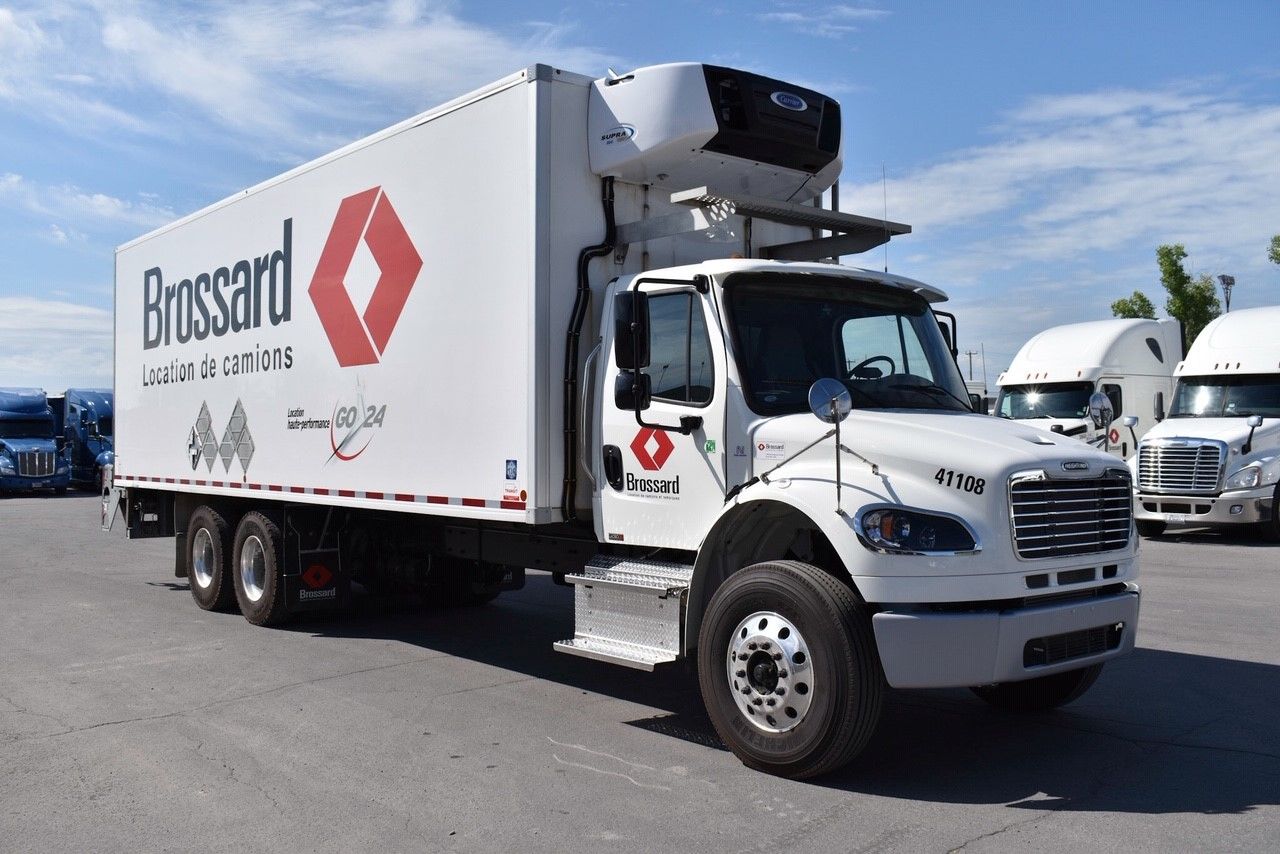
point(362, 339)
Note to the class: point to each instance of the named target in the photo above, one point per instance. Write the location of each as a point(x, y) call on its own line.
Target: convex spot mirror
point(631, 330)
point(829, 400)
point(1130, 421)
point(1254, 421)
point(1101, 413)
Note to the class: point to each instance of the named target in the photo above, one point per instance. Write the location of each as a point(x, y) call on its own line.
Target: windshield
point(1227, 397)
point(1049, 400)
point(26, 428)
point(882, 342)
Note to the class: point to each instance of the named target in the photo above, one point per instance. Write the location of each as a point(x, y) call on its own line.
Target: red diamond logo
point(657, 458)
point(361, 339)
point(317, 576)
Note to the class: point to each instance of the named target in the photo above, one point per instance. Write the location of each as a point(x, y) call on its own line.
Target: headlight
point(1247, 478)
point(899, 531)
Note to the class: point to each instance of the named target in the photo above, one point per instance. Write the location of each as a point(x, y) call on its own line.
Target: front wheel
point(788, 669)
point(1149, 528)
point(1042, 693)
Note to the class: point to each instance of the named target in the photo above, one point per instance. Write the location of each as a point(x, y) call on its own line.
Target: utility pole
point(1228, 282)
point(971, 354)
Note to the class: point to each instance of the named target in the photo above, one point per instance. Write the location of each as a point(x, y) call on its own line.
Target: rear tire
point(258, 572)
point(789, 634)
point(1149, 528)
point(208, 550)
point(1040, 694)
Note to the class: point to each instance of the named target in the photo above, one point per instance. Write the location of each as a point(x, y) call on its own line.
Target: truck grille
point(36, 463)
point(1185, 467)
point(1055, 518)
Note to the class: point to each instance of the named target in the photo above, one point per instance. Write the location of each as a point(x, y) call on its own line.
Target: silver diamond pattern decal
point(237, 442)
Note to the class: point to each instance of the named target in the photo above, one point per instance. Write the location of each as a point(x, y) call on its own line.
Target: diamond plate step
point(628, 612)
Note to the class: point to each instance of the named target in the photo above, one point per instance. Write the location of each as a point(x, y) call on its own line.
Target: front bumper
point(18, 483)
point(1249, 506)
point(924, 648)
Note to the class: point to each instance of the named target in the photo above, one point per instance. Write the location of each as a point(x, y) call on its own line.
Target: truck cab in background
point(87, 423)
point(30, 456)
point(1216, 459)
point(1050, 381)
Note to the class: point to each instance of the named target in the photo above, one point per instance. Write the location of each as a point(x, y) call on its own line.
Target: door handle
point(613, 466)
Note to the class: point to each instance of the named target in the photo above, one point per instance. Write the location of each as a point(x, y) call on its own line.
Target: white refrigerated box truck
point(1215, 460)
point(1050, 381)
point(584, 326)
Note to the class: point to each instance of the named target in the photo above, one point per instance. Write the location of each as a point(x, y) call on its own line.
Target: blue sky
point(1041, 151)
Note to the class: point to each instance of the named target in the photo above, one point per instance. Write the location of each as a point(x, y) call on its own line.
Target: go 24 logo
point(353, 428)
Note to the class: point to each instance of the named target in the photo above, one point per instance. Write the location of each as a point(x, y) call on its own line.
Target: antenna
point(983, 348)
point(884, 190)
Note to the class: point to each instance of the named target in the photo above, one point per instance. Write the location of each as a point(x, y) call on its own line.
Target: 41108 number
point(961, 481)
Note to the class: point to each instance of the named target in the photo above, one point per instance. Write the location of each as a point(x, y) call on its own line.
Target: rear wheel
point(788, 669)
point(1150, 528)
point(1042, 693)
point(258, 573)
point(208, 547)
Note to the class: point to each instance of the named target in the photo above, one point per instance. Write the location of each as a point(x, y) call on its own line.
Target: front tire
point(1149, 528)
point(788, 669)
point(208, 547)
point(1042, 693)
point(258, 572)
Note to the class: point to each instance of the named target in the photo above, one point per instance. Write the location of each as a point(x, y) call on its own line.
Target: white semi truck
point(584, 326)
point(1216, 459)
point(1050, 381)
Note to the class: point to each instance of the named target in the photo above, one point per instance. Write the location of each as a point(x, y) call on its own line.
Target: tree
point(1274, 252)
point(1194, 302)
point(1135, 306)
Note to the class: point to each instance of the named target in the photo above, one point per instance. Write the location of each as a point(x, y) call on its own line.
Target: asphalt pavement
point(131, 720)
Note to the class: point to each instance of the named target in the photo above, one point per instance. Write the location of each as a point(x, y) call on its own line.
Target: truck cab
point(1215, 460)
point(87, 426)
point(30, 456)
point(1053, 376)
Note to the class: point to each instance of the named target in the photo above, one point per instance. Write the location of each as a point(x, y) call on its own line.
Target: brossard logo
point(250, 292)
point(652, 461)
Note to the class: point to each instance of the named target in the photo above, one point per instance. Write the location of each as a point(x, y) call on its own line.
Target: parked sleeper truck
point(1216, 459)
point(1052, 377)
point(87, 416)
point(519, 338)
point(30, 457)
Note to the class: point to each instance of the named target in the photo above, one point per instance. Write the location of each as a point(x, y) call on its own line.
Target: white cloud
point(828, 22)
point(54, 344)
point(69, 202)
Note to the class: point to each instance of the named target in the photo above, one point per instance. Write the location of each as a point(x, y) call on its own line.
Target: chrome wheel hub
point(770, 672)
point(253, 568)
point(202, 559)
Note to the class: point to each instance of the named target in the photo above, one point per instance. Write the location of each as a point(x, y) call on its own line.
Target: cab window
point(680, 367)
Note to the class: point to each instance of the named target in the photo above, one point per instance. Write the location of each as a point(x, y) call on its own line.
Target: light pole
point(1228, 282)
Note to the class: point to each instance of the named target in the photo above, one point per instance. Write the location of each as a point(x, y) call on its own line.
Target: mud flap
point(313, 573)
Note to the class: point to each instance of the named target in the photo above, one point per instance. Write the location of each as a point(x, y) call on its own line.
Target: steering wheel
point(857, 370)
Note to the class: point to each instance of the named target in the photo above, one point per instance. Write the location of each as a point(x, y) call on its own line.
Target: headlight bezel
point(868, 526)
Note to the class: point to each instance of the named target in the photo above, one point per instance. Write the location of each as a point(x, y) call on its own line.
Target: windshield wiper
point(933, 388)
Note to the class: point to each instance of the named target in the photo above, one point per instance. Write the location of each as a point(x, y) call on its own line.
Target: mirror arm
point(1247, 447)
point(688, 423)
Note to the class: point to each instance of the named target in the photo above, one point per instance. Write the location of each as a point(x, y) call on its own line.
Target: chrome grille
point(1055, 518)
point(36, 463)
point(1184, 467)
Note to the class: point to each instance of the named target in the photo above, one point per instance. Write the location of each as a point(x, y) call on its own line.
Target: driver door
point(660, 487)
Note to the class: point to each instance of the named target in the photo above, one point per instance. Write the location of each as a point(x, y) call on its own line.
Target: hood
point(19, 446)
point(1068, 425)
point(1232, 431)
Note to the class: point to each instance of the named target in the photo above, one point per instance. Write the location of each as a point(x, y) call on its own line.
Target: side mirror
point(1101, 412)
point(1130, 421)
point(975, 403)
point(631, 330)
point(1157, 405)
point(632, 391)
point(1254, 422)
point(830, 401)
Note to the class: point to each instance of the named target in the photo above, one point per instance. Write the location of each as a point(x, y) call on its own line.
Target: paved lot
point(131, 720)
